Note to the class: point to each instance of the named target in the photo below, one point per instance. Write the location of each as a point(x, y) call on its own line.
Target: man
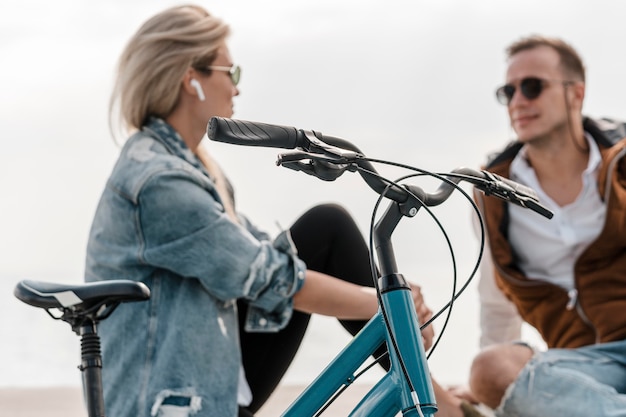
point(565, 276)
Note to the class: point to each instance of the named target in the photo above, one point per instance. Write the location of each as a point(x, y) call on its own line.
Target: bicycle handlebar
point(328, 157)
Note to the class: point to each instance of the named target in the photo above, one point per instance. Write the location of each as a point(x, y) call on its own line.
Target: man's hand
point(463, 392)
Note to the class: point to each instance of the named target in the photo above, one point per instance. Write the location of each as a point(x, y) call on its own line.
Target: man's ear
point(577, 94)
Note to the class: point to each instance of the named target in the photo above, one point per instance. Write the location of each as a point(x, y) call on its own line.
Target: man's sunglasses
point(530, 88)
point(234, 72)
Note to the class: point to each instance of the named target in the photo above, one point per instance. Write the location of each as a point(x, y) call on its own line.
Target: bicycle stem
point(398, 309)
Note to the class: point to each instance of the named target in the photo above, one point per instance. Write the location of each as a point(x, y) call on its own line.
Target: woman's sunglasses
point(234, 72)
point(530, 88)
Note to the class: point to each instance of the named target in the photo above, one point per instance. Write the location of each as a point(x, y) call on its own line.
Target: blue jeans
point(586, 382)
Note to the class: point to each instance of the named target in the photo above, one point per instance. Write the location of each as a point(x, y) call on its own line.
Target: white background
point(408, 81)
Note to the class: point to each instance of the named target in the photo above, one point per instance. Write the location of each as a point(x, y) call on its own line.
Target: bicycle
point(406, 387)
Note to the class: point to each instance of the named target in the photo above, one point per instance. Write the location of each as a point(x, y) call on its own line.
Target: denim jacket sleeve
point(185, 230)
point(260, 318)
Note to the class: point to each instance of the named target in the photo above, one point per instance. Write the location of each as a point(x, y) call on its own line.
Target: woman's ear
point(196, 84)
point(192, 86)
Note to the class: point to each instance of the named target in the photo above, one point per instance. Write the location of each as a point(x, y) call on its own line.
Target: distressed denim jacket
point(160, 221)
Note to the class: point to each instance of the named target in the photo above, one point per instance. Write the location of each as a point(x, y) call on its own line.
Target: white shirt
point(544, 249)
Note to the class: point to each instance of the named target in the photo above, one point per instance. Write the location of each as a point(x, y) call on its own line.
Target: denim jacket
point(160, 221)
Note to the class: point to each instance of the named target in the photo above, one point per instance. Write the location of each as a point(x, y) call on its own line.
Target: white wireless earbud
point(196, 84)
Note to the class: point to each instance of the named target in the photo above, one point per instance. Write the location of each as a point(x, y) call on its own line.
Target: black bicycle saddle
point(79, 296)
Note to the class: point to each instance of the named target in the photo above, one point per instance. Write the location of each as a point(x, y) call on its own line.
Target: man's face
point(541, 117)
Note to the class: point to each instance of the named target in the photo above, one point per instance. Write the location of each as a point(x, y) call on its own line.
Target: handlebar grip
point(243, 132)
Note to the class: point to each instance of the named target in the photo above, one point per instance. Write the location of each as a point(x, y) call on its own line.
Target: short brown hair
point(571, 63)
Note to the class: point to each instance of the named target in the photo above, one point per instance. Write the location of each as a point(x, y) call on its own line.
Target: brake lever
point(317, 146)
point(510, 187)
point(516, 193)
point(324, 168)
point(533, 205)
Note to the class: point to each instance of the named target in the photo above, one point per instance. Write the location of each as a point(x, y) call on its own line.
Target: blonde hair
point(154, 61)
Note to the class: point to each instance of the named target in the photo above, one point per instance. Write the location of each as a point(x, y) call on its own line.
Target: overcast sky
point(410, 81)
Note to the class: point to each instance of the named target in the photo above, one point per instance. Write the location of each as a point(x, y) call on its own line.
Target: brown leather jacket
point(599, 314)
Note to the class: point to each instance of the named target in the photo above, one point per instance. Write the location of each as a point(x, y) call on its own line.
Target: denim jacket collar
point(162, 131)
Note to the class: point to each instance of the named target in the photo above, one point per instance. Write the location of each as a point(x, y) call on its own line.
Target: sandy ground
point(68, 401)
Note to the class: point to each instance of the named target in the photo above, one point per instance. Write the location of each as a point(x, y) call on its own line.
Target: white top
point(554, 245)
point(244, 394)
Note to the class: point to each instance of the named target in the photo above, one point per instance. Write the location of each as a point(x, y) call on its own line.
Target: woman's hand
point(423, 315)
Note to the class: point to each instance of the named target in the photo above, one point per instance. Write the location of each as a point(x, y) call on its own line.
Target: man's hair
point(571, 63)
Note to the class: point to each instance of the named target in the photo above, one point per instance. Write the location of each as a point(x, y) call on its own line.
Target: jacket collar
point(163, 132)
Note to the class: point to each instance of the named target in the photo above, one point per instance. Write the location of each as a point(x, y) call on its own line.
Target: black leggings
point(328, 241)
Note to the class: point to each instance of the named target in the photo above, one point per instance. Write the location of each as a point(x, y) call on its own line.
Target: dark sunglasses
point(530, 88)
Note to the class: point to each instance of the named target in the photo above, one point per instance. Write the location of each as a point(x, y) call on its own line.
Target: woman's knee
point(325, 223)
point(320, 215)
point(329, 213)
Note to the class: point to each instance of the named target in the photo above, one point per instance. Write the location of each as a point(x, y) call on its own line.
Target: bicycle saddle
point(50, 295)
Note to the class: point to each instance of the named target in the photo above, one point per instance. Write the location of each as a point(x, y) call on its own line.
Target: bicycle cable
point(455, 294)
point(445, 178)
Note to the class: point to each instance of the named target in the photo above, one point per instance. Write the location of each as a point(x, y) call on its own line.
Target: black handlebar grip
point(243, 132)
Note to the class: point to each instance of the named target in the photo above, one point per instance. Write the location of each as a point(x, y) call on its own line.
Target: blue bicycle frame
point(407, 386)
point(396, 324)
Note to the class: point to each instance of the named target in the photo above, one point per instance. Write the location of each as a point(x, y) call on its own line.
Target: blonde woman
point(229, 306)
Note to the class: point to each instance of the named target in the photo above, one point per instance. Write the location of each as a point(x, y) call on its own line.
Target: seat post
point(91, 368)
point(83, 306)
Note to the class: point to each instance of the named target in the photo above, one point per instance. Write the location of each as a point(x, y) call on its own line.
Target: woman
point(219, 330)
